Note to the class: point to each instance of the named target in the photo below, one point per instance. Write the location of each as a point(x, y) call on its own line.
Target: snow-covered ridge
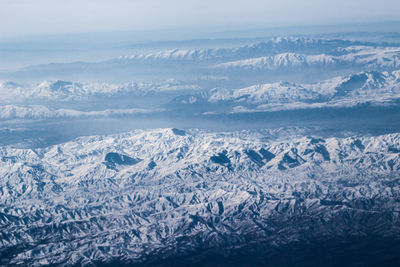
point(269, 47)
point(11, 112)
point(24, 102)
point(276, 54)
point(351, 90)
point(275, 62)
point(72, 91)
point(135, 195)
point(367, 57)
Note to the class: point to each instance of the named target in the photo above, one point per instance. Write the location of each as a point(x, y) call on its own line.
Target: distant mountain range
point(274, 56)
point(371, 87)
point(364, 57)
point(365, 87)
point(285, 152)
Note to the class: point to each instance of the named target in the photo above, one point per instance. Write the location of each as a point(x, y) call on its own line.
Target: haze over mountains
point(263, 61)
point(378, 88)
point(216, 152)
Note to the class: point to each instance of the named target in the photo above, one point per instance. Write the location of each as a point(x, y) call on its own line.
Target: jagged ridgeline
point(167, 195)
point(277, 58)
point(238, 152)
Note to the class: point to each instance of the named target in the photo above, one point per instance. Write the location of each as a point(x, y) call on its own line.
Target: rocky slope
point(149, 195)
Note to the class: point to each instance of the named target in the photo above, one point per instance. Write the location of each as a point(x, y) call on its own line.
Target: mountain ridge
point(190, 190)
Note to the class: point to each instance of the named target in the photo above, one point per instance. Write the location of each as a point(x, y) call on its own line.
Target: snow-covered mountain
point(34, 102)
point(364, 57)
point(325, 172)
point(272, 46)
point(277, 55)
point(280, 61)
point(350, 90)
point(11, 112)
point(155, 194)
point(75, 91)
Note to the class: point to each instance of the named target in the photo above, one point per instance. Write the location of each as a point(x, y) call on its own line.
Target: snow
point(73, 91)
point(274, 45)
point(371, 58)
point(68, 192)
point(11, 112)
point(160, 193)
point(379, 88)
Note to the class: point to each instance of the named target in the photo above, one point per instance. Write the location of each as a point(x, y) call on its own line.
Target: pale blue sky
point(37, 17)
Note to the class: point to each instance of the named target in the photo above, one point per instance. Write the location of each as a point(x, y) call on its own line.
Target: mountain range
point(156, 194)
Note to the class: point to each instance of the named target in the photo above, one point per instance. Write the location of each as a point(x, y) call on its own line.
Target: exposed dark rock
point(178, 132)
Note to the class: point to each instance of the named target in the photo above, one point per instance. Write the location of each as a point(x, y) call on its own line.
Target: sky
point(43, 17)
